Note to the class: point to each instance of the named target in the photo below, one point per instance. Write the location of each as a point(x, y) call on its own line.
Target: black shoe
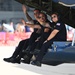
point(7, 59)
point(36, 63)
point(27, 62)
point(12, 60)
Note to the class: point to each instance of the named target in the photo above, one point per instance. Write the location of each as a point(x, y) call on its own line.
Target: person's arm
point(33, 25)
point(26, 13)
point(58, 27)
point(52, 35)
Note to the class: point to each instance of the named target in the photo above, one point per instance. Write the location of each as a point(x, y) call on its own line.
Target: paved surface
point(25, 69)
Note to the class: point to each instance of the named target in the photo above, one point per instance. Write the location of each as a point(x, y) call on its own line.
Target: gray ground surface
point(25, 69)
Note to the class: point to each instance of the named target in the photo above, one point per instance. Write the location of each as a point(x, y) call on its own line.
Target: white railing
point(67, 5)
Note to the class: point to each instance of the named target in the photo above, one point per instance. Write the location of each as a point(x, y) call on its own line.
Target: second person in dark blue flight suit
point(58, 34)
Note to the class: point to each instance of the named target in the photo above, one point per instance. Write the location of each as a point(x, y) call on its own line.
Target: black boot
point(12, 60)
point(36, 63)
point(8, 59)
point(26, 59)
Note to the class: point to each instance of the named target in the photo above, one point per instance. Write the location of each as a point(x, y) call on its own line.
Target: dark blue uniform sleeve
point(58, 26)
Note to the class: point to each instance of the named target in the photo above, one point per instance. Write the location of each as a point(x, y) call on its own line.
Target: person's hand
point(46, 29)
point(24, 8)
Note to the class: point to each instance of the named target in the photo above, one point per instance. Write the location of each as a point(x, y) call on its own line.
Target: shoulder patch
point(58, 24)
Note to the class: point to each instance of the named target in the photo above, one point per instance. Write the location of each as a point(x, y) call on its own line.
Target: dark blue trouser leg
point(20, 47)
point(43, 50)
point(44, 36)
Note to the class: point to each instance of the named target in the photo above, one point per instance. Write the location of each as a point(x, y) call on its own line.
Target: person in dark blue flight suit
point(58, 34)
point(46, 25)
point(25, 43)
